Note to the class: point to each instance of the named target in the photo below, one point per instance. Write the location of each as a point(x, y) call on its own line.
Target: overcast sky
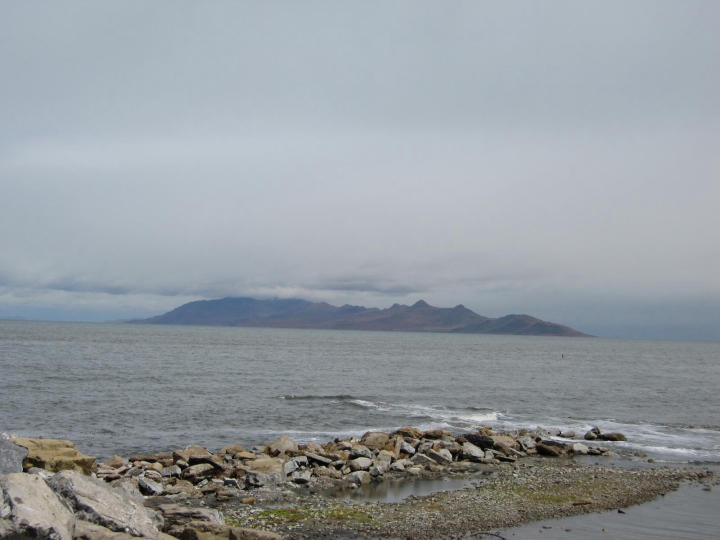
point(554, 158)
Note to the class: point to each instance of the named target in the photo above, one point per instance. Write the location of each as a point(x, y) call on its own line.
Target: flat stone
point(318, 458)
point(195, 473)
point(149, 487)
point(95, 501)
point(30, 509)
point(442, 456)
point(54, 455)
point(11, 456)
point(266, 465)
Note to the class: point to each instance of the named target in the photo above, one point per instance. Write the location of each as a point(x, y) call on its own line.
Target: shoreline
point(449, 484)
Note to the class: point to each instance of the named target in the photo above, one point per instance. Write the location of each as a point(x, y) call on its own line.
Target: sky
point(560, 159)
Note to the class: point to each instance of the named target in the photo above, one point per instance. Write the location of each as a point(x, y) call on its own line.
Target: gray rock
point(176, 515)
point(172, 471)
point(384, 457)
point(579, 448)
point(358, 450)
point(149, 487)
point(422, 459)
point(408, 448)
point(360, 464)
point(95, 501)
point(442, 456)
point(472, 452)
point(397, 466)
point(318, 459)
point(301, 477)
point(195, 473)
point(614, 436)
point(359, 477)
point(11, 456)
point(592, 434)
point(290, 467)
point(30, 509)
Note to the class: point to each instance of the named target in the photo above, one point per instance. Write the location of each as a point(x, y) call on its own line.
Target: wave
point(312, 397)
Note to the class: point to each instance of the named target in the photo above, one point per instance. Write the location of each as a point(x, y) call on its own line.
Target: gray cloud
point(519, 157)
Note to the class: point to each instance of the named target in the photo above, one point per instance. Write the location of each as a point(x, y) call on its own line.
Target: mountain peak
point(420, 304)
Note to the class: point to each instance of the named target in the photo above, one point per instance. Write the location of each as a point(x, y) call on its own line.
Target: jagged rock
point(440, 456)
point(375, 440)
point(281, 445)
point(149, 487)
point(472, 452)
point(360, 464)
point(30, 509)
point(385, 457)
point(481, 441)
point(613, 436)
point(316, 458)
point(54, 455)
point(407, 448)
point(290, 467)
point(195, 473)
point(11, 456)
point(434, 434)
point(410, 432)
point(202, 530)
point(397, 466)
point(504, 443)
point(95, 501)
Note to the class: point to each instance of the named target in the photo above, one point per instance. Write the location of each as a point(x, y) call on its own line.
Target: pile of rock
point(139, 496)
point(196, 472)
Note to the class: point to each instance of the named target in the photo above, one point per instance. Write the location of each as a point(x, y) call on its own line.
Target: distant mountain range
point(295, 313)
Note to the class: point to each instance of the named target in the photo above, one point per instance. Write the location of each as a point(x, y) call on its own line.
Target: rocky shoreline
point(287, 490)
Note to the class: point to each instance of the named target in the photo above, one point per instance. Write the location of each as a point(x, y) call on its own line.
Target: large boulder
point(481, 441)
point(11, 456)
point(30, 509)
point(97, 502)
point(54, 455)
point(375, 440)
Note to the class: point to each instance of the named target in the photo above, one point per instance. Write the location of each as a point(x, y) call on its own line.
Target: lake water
point(122, 388)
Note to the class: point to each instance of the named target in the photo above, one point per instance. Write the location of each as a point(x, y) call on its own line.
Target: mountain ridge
point(299, 313)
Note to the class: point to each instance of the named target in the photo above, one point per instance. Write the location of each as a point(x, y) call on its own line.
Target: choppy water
point(115, 388)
